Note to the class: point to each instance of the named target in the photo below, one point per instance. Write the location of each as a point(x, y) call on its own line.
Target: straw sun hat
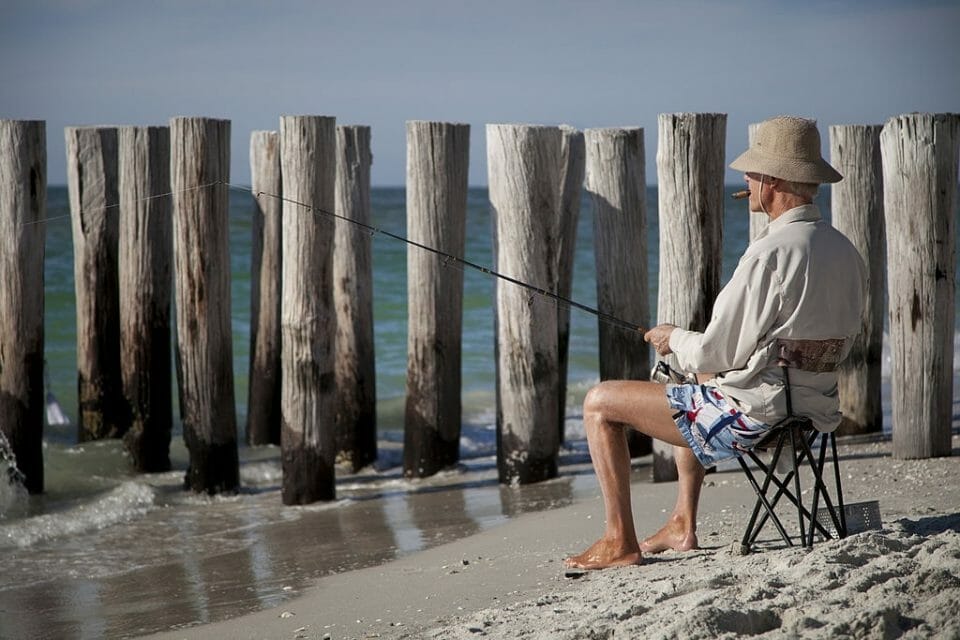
point(788, 148)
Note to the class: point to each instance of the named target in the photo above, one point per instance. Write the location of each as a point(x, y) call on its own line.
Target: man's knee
point(595, 400)
point(605, 398)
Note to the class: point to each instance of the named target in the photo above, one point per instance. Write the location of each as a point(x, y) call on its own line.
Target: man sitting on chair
point(800, 279)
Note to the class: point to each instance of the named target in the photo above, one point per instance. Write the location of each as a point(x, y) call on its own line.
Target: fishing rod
point(448, 257)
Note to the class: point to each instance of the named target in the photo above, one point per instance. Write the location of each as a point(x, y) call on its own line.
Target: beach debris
point(287, 614)
point(56, 416)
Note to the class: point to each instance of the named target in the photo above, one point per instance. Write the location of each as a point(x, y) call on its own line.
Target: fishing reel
point(665, 374)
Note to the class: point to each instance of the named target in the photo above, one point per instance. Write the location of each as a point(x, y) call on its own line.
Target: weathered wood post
point(308, 155)
point(144, 260)
point(437, 162)
point(919, 201)
point(355, 405)
point(94, 209)
point(199, 173)
point(523, 164)
point(616, 181)
point(856, 206)
point(23, 214)
point(758, 220)
point(572, 170)
point(266, 259)
point(690, 170)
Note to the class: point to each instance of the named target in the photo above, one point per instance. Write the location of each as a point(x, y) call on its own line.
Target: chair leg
point(817, 483)
point(836, 475)
point(820, 488)
point(796, 482)
point(749, 531)
point(753, 528)
point(783, 489)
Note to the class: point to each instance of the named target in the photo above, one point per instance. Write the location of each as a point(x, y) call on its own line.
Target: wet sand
point(508, 581)
point(146, 556)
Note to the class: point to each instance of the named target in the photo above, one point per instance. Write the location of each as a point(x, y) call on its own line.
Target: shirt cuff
point(677, 337)
point(680, 340)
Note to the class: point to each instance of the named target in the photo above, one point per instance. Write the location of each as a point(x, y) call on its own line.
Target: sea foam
point(13, 494)
point(125, 502)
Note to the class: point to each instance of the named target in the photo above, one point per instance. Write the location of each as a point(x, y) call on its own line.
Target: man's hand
point(659, 337)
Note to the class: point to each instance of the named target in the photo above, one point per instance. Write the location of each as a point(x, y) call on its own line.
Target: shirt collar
point(803, 213)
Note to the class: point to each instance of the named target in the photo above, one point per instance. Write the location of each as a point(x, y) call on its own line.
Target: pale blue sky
point(588, 64)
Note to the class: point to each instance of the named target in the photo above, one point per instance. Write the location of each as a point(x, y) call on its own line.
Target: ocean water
point(105, 552)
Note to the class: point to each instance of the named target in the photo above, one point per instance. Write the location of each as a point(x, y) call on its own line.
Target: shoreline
point(510, 578)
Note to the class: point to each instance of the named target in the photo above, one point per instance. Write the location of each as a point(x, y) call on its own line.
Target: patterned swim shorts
point(714, 429)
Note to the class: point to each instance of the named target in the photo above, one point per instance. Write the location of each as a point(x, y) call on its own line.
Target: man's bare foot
point(603, 554)
point(673, 535)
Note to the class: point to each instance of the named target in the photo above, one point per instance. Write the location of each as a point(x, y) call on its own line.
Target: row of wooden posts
point(149, 206)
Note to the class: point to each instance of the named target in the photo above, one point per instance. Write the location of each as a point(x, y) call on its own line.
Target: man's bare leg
point(618, 546)
point(680, 531)
point(606, 409)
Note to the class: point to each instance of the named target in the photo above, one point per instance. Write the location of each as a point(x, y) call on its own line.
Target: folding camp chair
point(797, 435)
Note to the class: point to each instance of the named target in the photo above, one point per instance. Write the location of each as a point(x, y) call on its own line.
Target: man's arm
point(744, 312)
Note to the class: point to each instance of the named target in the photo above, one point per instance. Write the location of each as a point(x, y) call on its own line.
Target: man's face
point(754, 184)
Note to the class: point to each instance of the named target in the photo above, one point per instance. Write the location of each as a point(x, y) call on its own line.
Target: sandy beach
point(901, 580)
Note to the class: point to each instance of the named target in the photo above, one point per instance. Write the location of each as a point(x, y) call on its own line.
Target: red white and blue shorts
point(714, 429)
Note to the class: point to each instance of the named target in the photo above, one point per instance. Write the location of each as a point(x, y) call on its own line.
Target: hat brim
point(792, 169)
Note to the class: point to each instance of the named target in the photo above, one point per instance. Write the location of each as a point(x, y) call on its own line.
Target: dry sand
point(902, 580)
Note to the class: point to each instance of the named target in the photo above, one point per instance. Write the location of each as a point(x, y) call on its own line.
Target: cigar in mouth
point(740, 195)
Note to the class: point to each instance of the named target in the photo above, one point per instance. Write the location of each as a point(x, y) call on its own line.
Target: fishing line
point(456, 260)
point(107, 207)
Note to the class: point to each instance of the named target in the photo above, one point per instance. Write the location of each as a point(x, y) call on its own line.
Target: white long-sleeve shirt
point(801, 279)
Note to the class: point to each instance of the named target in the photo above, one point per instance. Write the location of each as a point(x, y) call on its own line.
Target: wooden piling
point(266, 259)
point(572, 171)
point(145, 253)
point(616, 182)
point(523, 164)
point(23, 213)
point(308, 153)
point(919, 201)
point(758, 220)
point(856, 206)
point(355, 405)
point(200, 172)
point(94, 212)
point(690, 167)
point(437, 166)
